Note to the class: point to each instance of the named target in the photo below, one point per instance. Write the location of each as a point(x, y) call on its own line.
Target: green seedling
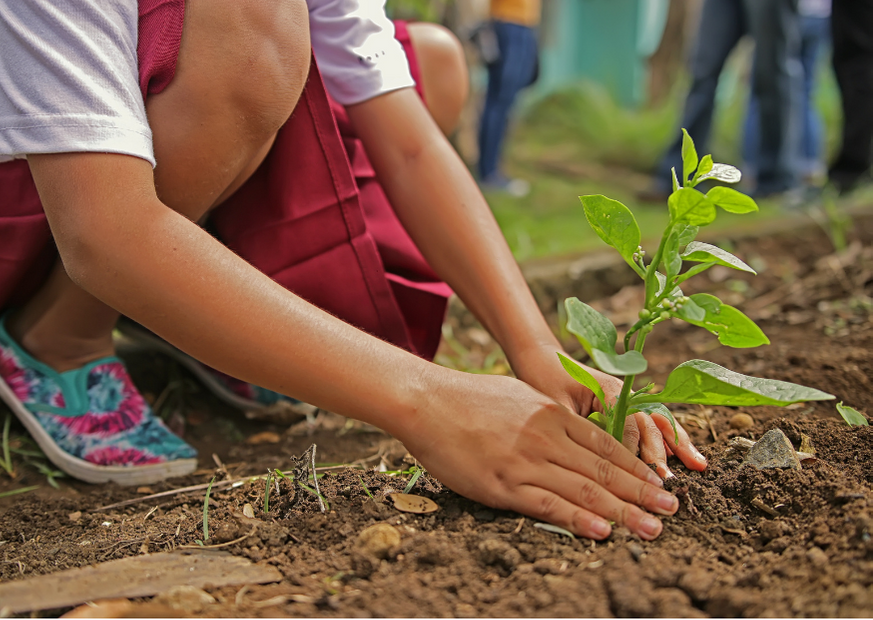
point(853, 417)
point(6, 463)
point(18, 491)
point(206, 513)
point(366, 490)
point(418, 471)
point(695, 381)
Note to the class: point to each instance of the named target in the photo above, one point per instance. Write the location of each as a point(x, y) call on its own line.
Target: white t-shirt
point(69, 79)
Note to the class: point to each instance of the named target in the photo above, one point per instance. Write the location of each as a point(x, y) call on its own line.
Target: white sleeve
point(69, 79)
point(357, 54)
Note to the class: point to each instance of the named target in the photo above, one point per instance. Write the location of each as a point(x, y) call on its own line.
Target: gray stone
point(773, 451)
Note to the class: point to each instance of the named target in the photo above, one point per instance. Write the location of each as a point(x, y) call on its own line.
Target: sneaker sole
point(89, 472)
point(138, 339)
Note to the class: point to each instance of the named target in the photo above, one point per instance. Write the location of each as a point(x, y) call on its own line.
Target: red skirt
point(313, 216)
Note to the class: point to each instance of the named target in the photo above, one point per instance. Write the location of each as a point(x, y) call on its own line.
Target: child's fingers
point(552, 508)
point(631, 439)
point(652, 450)
point(684, 449)
point(604, 487)
point(590, 496)
point(590, 436)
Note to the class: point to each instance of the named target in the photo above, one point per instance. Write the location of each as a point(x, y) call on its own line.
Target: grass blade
point(414, 479)
point(17, 491)
point(366, 490)
point(206, 510)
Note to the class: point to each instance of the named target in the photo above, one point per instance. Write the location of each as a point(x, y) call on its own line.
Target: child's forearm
point(148, 262)
point(442, 208)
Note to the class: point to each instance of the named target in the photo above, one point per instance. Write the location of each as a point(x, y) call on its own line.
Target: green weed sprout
point(695, 381)
point(206, 512)
point(6, 461)
point(852, 416)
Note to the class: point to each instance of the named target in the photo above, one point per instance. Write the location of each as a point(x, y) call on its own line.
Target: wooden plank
point(145, 575)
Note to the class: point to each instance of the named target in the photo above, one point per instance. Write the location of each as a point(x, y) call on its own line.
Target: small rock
point(185, 598)
point(378, 539)
point(742, 421)
point(817, 556)
point(226, 532)
point(75, 516)
point(773, 451)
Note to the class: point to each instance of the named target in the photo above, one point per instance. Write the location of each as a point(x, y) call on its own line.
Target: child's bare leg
point(212, 126)
point(444, 75)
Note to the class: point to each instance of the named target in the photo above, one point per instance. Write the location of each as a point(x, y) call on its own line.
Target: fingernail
point(654, 478)
point(666, 502)
point(697, 455)
point(650, 527)
point(600, 529)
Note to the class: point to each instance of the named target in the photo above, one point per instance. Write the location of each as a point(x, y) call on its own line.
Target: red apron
point(312, 217)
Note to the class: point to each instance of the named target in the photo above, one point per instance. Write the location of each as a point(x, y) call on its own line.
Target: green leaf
point(630, 363)
point(600, 420)
point(704, 383)
point(722, 172)
point(689, 206)
point(733, 328)
point(582, 376)
point(593, 330)
point(705, 253)
point(687, 233)
point(731, 200)
point(660, 409)
point(614, 223)
point(704, 168)
point(691, 312)
point(662, 282)
point(672, 259)
point(676, 186)
point(689, 157)
point(853, 417)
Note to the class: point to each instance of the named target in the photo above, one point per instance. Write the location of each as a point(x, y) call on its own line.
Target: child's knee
point(443, 72)
point(241, 69)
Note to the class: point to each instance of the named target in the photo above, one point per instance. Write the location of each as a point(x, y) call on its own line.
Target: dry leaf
point(249, 511)
point(413, 503)
point(265, 437)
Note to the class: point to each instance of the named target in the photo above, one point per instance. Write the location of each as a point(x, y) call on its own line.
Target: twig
point(219, 546)
point(518, 527)
point(709, 422)
point(235, 482)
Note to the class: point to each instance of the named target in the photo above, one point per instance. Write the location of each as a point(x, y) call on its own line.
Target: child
point(213, 113)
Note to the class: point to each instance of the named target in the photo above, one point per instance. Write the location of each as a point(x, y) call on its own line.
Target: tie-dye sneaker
point(256, 401)
point(91, 422)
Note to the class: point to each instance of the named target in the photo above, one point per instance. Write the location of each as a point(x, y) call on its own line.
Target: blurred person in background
point(513, 68)
point(852, 33)
point(776, 82)
point(815, 24)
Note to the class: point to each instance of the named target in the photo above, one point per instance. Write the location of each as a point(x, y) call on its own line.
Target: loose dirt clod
point(773, 451)
point(377, 540)
point(742, 421)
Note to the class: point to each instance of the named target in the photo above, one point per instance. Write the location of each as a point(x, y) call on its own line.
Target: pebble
point(817, 556)
point(378, 539)
point(742, 421)
point(185, 598)
point(773, 451)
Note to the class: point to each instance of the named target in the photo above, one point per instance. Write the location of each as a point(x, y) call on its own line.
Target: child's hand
point(651, 437)
point(498, 441)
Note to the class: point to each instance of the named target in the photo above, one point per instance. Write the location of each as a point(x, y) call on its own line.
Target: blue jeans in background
point(514, 70)
point(815, 34)
point(776, 81)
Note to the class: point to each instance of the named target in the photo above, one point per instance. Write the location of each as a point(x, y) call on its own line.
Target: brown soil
point(744, 542)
